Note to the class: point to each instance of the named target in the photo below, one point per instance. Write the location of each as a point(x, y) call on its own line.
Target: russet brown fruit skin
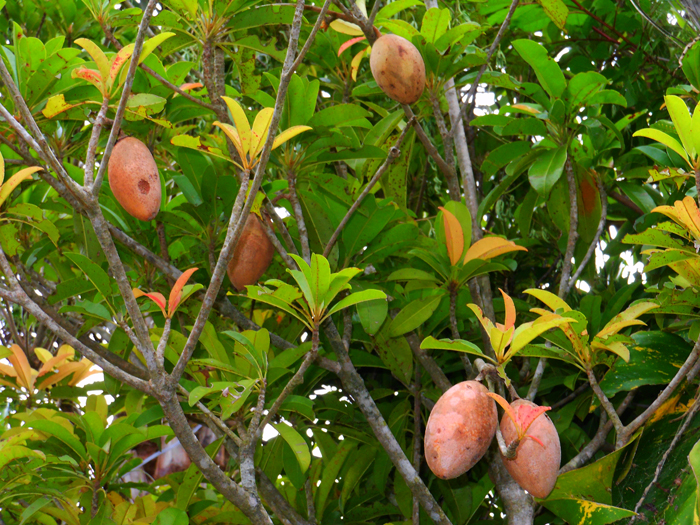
point(133, 178)
point(398, 68)
point(460, 429)
point(536, 467)
point(252, 256)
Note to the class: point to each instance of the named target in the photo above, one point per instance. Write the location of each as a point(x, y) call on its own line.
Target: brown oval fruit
point(252, 256)
point(460, 429)
point(398, 68)
point(536, 466)
point(133, 178)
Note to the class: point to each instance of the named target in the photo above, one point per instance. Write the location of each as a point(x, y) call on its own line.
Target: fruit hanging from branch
point(134, 180)
point(460, 429)
point(252, 256)
point(398, 68)
point(536, 464)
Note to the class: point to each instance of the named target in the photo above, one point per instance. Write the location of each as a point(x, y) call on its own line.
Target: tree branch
point(394, 153)
point(355, 386)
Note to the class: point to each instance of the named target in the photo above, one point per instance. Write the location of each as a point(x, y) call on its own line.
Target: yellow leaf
point(2, 169)
point(485, 321)
point(235, 138)
point(548, 298)
point(346, 28)
point(15, 180)
point(615, 347)
point(66, 349)
point(97, 55)
point(261, 127)
point(500, 340)
point(454, 236)
point(356, 60)
point(43, 354)
point(626, 318)
point(528, 331)
point(240, 120)
point(490, 247)
point(288, 134)
point(685, 213)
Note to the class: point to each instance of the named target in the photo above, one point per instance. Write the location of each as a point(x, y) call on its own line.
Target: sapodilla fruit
point(133, 178)
point(398, 68)
point(460, 429)
point(252, 256)
point(536, 465)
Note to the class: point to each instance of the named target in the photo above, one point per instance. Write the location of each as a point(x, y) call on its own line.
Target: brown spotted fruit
point(536, 465)
point(460, 429)
point(252, 256)
point(133, 178)
point(398, 68)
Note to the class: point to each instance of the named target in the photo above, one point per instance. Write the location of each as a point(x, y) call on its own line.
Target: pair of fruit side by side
point(462, 425)
point(135, 182)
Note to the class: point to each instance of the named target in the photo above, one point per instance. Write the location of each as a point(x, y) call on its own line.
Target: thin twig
point(605, 402)
point(312, 35)
point(295, 381)
point(394, 153)
point(468, 106)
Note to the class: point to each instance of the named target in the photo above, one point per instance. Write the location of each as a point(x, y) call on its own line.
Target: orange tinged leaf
point(454, 236)
point(490, 247)
point(191, 85)
point(21, 365)
point(176, 292)
point(349, 43)
point(527, 414)
point(156, 297)
point(510, 310)
point(505, 405)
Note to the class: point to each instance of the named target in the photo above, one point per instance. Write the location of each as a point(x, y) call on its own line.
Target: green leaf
point(503, 155)
point(413, 315)
point(547, 70)
point(60, 433)
point(360, 463)
point(97, 276)
point(556, 11)
point(412, 274)
point(297, 444)
point(190, 483)
point(694, 460)
point(172, 516)
point(396, 354)
point(330, 474)
point(584, 495)
point(547, 170)
point(372, 314)
point(356, 298)
point(682, 122)
point(654, 360)
point(664, 139)
point(459, 345)
point(12, 452)
point(436, 22)
point(32, 509)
